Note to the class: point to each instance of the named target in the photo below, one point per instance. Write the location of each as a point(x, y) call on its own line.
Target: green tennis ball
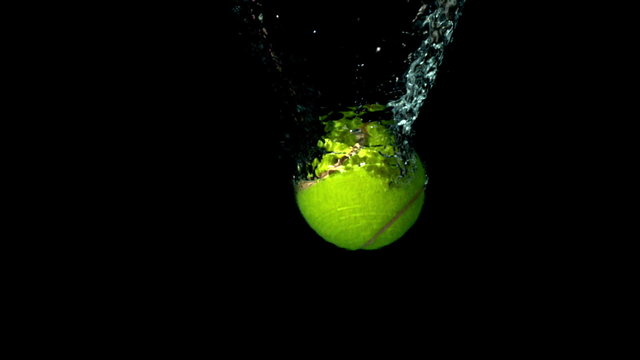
point(361, 194)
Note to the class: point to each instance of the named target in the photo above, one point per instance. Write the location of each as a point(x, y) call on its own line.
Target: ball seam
point(393, 220)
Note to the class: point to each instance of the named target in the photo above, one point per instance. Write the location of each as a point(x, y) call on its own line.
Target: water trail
point(437, 23)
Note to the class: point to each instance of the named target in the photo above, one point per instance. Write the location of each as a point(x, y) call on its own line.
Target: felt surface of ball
point(361, 195)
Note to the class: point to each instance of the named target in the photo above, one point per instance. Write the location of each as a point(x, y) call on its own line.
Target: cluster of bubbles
point(436, 22)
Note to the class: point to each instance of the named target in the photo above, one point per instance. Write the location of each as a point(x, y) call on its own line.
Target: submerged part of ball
point(361, 194)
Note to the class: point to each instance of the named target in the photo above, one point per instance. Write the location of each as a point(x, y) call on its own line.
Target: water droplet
point(315, 31)
point(378, 49)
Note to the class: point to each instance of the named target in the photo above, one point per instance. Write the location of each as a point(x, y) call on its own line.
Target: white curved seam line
point(393, 220)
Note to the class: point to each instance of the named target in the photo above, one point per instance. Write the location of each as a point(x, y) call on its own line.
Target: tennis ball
point(361, 194)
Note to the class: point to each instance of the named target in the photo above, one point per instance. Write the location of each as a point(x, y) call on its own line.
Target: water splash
point(327, 62)
point(437, 21)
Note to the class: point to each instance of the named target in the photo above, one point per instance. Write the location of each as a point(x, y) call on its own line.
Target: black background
point(187, 212)
point(187, 215)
